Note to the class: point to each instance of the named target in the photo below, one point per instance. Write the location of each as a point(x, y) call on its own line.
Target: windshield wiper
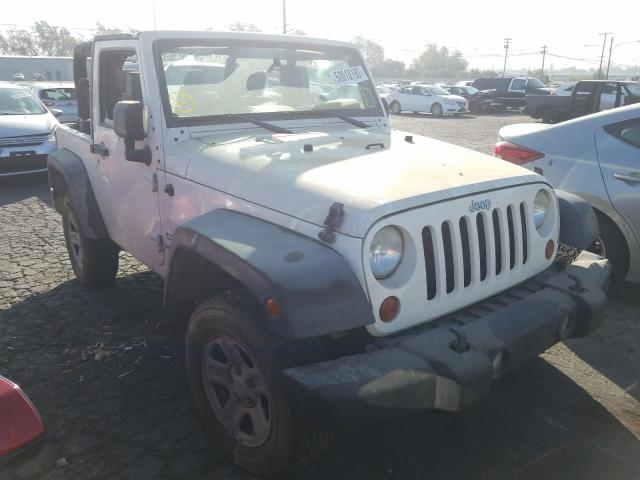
point(344, 118)
point(265, 125)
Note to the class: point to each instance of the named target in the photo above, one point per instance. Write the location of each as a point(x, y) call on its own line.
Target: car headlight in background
point(385, 253)
point(541, 205)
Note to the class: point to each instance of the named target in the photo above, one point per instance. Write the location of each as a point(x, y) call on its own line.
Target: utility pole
point(604, 43)
point(507, 41)
point(544, 54)
point(609, 61)
point(284, 16)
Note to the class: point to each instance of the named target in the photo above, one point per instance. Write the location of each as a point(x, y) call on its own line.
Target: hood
point(371, 182)
point(22, 125)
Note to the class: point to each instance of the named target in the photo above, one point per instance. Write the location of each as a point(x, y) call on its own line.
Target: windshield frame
point(160, 46)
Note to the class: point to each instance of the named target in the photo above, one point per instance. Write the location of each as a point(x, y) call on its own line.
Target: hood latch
point(332, 223)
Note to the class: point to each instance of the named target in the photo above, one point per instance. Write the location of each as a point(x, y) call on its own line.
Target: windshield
point(58, 94)
point(267, 80)
point(634, 88)
point(437, 91)
point(535, 83)
point(17, 101)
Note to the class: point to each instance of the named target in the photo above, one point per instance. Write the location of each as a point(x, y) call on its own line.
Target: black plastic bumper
point(450, 365)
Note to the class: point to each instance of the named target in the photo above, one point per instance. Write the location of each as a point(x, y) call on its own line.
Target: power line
point(507, 42)
point(544, 54)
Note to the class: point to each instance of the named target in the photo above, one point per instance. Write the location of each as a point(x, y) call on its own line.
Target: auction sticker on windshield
point(349, 76)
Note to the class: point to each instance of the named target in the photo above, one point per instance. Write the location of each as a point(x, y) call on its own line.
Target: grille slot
point(467, 251)
point(512, 240)
point(430, 262)
point(497, 240)
point(482, 244)
point(525, 239)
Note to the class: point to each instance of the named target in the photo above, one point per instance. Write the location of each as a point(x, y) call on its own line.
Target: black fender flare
point(317, 291)
point(578, 223)
point(68, 175)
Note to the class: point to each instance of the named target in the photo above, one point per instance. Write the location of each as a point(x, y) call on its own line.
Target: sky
point(402, 27)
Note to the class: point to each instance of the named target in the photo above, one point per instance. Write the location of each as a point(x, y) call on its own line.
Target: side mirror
point(55, 112)
point(20, 425)
point(128, 123)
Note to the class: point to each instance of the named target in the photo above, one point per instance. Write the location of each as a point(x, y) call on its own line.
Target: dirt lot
point(106, 370)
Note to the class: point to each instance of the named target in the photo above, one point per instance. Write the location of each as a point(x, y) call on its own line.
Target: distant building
point(13, 67)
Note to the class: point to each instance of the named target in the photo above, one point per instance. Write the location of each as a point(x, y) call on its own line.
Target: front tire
point(395, 108)
point(94, 262)
point(436, 110)
point(234, 364)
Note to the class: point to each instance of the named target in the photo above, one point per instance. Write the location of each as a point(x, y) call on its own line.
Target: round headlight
point(385, 253)
point(541, 206)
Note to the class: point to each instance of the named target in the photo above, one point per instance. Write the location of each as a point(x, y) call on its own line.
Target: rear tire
point(94, 262)
point(436, 110)
point(234, 364)
point(475, 107)
point(395, 108)
point(612, 245)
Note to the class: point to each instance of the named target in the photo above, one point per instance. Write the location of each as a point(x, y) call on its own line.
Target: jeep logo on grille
point(477, 205)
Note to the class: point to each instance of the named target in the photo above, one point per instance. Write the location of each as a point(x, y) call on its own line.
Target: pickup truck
point(337, 271)
point(587, 96)
point(498, 93)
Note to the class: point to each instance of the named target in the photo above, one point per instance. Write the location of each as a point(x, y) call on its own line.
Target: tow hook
point(460, 344)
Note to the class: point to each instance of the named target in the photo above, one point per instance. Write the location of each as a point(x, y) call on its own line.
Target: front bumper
point(24, 160)
point(450, 364)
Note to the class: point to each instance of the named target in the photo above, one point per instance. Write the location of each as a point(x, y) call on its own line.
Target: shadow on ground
point(17, 188)
point(106, 370)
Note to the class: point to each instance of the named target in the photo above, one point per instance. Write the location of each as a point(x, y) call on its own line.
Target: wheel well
point(194, 278)
point(604, 218)
point(59, 188)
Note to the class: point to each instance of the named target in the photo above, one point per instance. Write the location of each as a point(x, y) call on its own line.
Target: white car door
point(424, 100)
point(127, 191)
point(404, 97)
point(619, 156)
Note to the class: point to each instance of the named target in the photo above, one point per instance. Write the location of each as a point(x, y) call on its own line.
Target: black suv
point(504, 92)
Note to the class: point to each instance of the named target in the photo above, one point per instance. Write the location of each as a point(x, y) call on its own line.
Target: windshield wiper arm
point(344, 118)
point(265, 125)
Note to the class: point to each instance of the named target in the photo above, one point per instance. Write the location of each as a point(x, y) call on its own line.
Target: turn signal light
point(515, 153)
point(549, 249)
point(389, 308)
point(273, 308)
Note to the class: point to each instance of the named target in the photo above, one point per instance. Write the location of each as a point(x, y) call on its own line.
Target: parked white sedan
point(598, 158)
point(426, 98)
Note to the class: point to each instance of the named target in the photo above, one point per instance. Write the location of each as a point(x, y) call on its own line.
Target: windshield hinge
point(332, 222)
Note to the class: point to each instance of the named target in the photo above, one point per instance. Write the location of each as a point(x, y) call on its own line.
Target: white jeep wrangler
point(339, 270)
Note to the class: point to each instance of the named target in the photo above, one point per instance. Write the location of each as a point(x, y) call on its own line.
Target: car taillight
point(515, 153)
point(48, 103)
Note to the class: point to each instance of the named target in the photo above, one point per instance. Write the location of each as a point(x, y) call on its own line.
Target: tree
point(477, 73)
point(3, 44)
point(53, 41)
point(389, 68)
point(372, 51)
point(297, 31)
point(434, 62)
point(102, 30)
point(244, 27)
point(21, 42)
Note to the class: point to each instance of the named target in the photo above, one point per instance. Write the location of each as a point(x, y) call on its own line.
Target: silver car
point(26, 131)
point(598, 158)
point(57, 95)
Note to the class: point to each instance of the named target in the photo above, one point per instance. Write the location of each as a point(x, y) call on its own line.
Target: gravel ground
point(106, 370)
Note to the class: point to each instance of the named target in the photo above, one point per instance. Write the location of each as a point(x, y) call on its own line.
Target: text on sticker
point(349, 76)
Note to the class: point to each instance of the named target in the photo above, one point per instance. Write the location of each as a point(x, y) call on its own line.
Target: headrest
point(257, 81)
